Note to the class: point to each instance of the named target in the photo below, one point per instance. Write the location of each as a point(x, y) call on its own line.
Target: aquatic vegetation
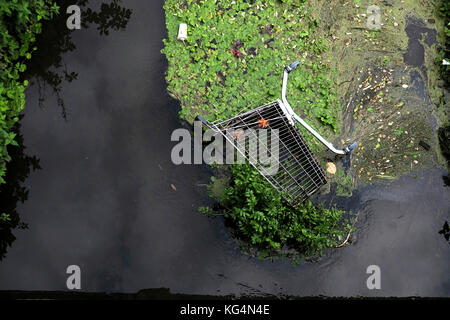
point(444, 11)
point(20, 22)
point(233, 60)
point(262, 217)
point(345, 185)
point(381, 105)
point(234, 56)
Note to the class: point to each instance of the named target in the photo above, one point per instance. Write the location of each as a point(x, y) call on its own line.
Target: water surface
point(103, 199)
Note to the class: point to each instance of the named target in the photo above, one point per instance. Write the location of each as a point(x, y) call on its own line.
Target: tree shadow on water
point(445, 231)
point(12, 192)
point(47, 66)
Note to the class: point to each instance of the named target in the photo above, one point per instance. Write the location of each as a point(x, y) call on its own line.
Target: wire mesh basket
point(298, 173)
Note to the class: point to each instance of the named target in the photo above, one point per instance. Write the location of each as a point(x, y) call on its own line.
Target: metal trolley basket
point(299, 174)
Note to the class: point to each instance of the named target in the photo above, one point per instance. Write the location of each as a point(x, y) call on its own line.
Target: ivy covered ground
point(234, 57)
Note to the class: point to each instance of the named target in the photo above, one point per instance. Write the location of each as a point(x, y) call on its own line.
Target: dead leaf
point(262, 123)
point(173, 187)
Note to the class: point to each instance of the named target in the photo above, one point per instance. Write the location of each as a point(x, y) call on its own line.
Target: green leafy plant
point(262, 217)
point(444, 11)
point(398, 131)
point(20, 22)
point(210, 76)
point(5, 217)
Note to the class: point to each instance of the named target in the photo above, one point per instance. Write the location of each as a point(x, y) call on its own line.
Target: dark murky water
point(417, 32)
point(103, 199)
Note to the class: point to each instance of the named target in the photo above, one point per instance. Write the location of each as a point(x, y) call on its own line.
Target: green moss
point(364, 58)
point(218, 186)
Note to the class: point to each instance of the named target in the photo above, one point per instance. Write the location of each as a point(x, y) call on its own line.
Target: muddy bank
point(387, 86)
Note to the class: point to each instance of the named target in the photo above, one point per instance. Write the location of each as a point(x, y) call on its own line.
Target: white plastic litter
point(182, 32)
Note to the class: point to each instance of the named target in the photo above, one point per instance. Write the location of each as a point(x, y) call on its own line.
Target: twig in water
point(346, 240)
point(348, 104)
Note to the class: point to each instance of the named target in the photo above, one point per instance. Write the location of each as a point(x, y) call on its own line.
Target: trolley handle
point(202, 120)
point(351, 147)
point(295, 117)
point(292, 66)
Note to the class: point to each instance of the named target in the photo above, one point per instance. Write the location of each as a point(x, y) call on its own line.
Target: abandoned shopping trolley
point(299, 174)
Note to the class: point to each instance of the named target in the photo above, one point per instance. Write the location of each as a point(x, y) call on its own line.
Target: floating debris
point(424, 145)
point(385, 177)
point(237, 134)
point(331, 167)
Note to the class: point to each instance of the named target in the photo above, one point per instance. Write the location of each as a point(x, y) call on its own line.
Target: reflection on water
point(444, 144)
point(446, 180)
point(13, 191)
point(111, 16)
point(47, 66)
point(445, 231)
